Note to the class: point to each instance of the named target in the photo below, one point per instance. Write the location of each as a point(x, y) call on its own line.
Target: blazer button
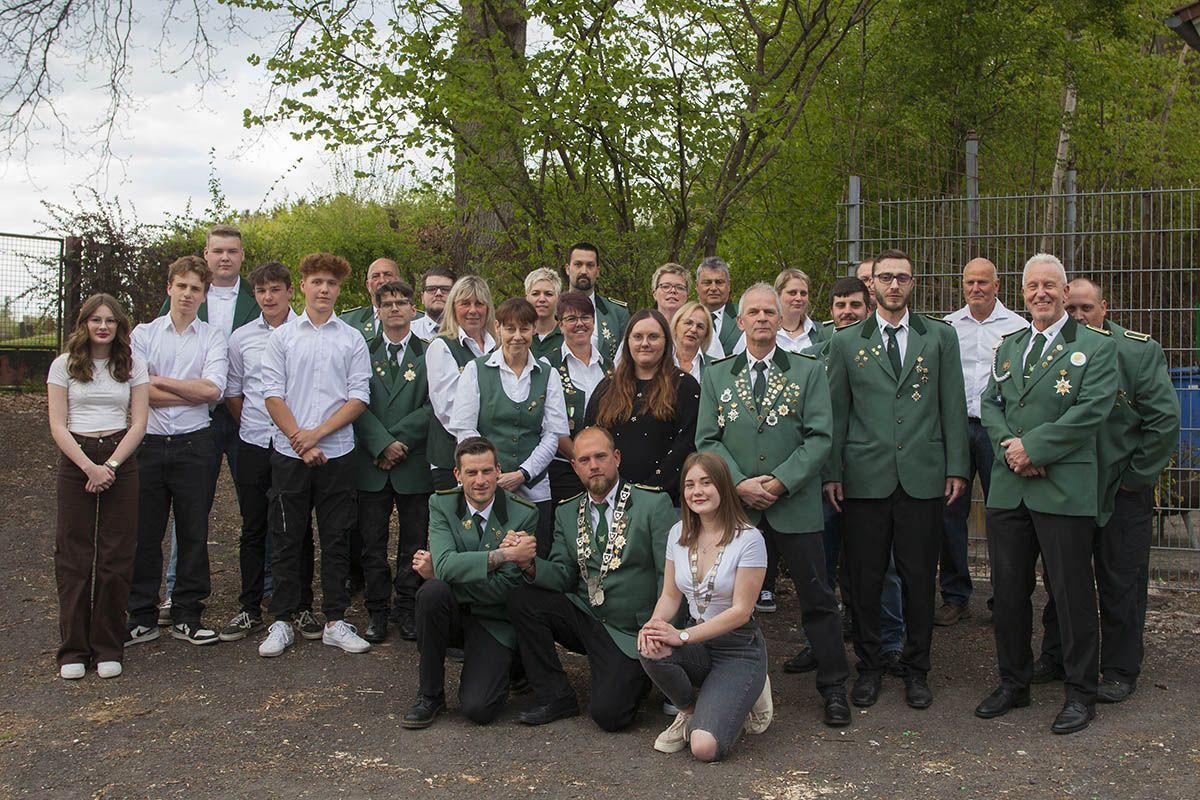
point(1020, 430)
point(761, 457)
point(897, 397)
point(899, 421)
point(899, 447)
point(1021, 404)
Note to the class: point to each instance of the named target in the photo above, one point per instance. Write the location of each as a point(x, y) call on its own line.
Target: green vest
point(572, 395)
point(440, 445)
point(544, 348)
point(514, 428)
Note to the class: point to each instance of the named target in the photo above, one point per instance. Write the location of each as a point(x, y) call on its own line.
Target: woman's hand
point(100, 477)
point(662, 632)
point(511, 481)
point(649, 645)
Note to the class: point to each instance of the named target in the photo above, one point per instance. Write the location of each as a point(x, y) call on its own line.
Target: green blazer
point(460, 555)
point(1056, 413)
point(730, 332)
point(789, 438)
point(908, 429)
point(399, 411)
point(544, 348)
point(1136, 441)
point(631, 589)
point(611, 318)
point(362, 319)
point(245, 308)
point(821, 332)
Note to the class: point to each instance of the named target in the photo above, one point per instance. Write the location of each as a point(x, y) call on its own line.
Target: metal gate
point(31, 274)
point(1141, 246)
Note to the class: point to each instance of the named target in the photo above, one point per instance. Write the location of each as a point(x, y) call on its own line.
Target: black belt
point(178, 437)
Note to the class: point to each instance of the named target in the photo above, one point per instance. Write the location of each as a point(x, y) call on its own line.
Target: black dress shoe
point(916, 692)
point(804, 661)
point(837, 710)
point(866, 690)
point(377, 630)
point(1045, 672)
point(407, 628)
point(1111, 691)
point(1074, 716)
point(893, 665)
point(548, 712)
point(1001, 701)
point(423, 711)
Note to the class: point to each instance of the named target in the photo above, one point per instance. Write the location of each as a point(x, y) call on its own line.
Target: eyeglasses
point(436, 290)
point(672, 287)
point(390, 304)
point(900, 278)
point(574, 320)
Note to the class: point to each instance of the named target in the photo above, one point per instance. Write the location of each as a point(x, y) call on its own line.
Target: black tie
point(893, 348)
point(1035, 353)
point(760, 382)
point(601, 526)
point(393, 360)
point(480, 524)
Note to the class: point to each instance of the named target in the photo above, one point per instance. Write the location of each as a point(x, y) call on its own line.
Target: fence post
point(972, 192)
point(70, 283)
point(853, 223)
point(1072, 212)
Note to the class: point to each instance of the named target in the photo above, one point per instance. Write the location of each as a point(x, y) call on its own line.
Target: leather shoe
point(866, 690)
point(892, 665)
point(1045, 672)
point(951, 613)
point(804, 661)
point(1111, 691)
point(423, 711)
point(837, 710)
point(1001, 701)
point(548, 712)
point(916, 692)
point(377, 630)
point(407, 628)
point(1074, 716)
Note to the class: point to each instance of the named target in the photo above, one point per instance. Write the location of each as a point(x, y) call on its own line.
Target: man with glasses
point(899, 454)
point(365, 319)
point(712, 289)
point(670, 285)
point(435, 288)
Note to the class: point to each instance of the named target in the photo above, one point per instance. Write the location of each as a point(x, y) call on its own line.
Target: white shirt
point(715, 350)
point(425, 327)
point(101, 404)
point(596, 326)
point(901, 333)
point(585, 377)
point(246, 348)
point(442, 372)
point(221, 302)
point(751, 361)
point(696, 362)
point(746, 550)
point(200, 352)
point(485, 513)
point(976, 340)
point(315, 371)
point(611, 499)
point(464, 421)
point(403, 346)
point(1050, 332)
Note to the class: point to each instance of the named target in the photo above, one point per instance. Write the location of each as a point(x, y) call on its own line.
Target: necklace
point(693, 560)
point(611, 559)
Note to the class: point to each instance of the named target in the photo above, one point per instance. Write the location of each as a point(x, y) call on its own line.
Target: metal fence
point(30, 307)
point(1142, 246)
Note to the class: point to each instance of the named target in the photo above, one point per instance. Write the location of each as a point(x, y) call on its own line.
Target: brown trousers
point(93, 556)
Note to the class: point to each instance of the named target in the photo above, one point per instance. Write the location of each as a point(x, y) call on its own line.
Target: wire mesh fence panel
point(1141, 246)
point(30, 307)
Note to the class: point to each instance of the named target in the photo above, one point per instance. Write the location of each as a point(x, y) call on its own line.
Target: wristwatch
point(112, 464)
point(524, 474)
point(684, 636)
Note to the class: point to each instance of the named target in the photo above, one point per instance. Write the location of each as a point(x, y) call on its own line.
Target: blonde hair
point(543, 274)
point(684, 312)
point(671, 268)
point(789, 274)
point(468, 287)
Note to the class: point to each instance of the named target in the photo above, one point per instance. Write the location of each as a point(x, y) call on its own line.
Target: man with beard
point(595, 590)
point(436, 284)
point(583, 270)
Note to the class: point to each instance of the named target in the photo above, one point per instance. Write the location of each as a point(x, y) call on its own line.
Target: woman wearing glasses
point(671, 284)
point(691, 330)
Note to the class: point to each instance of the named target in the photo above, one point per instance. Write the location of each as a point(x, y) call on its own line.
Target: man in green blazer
point(583, 270)
point(766, 412)
point(1133, 447)
point(365, 319)
point(477, 535)
point(595, 590)
point(1052, 386)
point(713, 289)
point(899, 455)
point(390, 464)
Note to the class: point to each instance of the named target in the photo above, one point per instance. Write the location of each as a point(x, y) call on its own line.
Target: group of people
point(626, 486)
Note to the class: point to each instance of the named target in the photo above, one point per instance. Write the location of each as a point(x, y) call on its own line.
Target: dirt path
point(222, 722)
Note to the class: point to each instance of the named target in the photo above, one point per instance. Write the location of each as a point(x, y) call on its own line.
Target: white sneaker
point(280, 637)
point(108, 669)
point(674, 738)
point(763, 712)
point(164, 613)
point(344, 635)
point(72, 672)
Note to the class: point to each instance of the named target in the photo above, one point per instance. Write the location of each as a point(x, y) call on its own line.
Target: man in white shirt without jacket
point(316, 372)
point(186, 358)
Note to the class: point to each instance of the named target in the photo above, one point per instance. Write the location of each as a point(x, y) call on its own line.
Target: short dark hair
point(325, 262)
point(516, 311)
point(578, 302)
point(583, 246)
point(473, 446)
point(270, 272)
point(437, 272)
point(890, 253)
point(844, 287)
point(394, 287)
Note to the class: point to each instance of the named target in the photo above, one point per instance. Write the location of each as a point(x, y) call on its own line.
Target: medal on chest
point(613, 549)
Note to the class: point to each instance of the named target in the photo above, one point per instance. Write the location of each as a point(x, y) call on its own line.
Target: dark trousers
point(955, 575)
point(442, 478)
point(297, 491)
point(374, 525)
point(174, 474)
point(254, 492)
point(226, 443)
point(804, 554)
point(93, 556)
point(545, 528)
point(618, 682)
point(564, 483)
point(441, 624)
point(907, 530)
point(1122, 564)
point(1065, 543)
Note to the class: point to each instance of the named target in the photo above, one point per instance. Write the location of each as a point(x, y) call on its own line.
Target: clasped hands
point(304, 442)
point(518, 547)
point(100, 477)
point(760, 493)
point(657, 638)
point(1018, 459)
point(392, 455)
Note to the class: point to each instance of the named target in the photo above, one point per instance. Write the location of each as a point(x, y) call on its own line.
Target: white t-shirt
point(746, 550)
point(101, 404)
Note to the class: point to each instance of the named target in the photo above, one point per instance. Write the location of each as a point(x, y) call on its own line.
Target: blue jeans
point(891, 616)
point(955, 578)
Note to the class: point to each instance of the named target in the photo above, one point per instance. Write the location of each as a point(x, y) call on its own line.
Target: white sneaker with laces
point(109, 669)
point(344, 635)
point(280, 637)
point(675, 738)
point(72, 672)
point(763, 712)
